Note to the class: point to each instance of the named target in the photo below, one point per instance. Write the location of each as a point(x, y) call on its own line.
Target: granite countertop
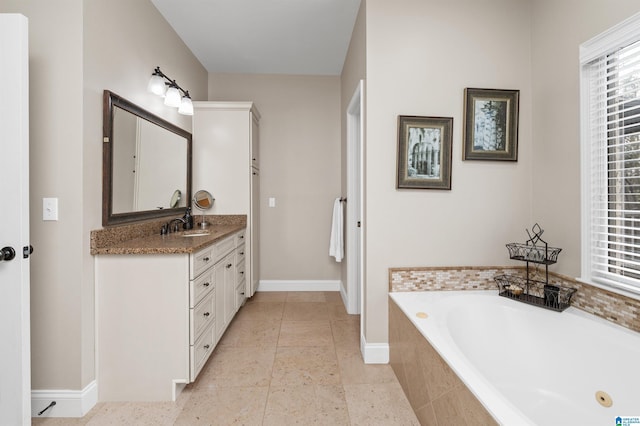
point(146, 239)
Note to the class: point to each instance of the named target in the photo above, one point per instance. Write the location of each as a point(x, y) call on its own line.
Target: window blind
point(614, 167)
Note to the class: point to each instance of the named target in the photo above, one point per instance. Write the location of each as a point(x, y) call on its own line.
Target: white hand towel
point(336, 243)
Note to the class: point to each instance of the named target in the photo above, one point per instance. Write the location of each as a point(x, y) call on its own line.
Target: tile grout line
point(266, 401)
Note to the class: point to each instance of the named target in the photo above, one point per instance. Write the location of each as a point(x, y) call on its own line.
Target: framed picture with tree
point(491, 124)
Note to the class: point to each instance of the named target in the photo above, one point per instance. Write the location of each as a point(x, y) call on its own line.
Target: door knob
point(7, 253)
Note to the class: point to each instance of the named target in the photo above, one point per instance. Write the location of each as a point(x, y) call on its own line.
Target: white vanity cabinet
point(226, 163)
point(159, 318)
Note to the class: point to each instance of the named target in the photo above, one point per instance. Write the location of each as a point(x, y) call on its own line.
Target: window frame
point(617, 37)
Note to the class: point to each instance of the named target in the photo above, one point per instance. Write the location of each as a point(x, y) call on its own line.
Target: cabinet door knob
point(206, 259)
point(206, 346)
point(206, 314)
point(242, 253)
point(242, 272)
point(207, 284)
point(229, 265)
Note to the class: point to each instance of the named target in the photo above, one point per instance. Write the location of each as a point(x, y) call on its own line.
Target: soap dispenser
point(188, 219)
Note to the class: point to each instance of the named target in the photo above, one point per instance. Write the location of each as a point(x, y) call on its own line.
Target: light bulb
point(156, 85)
point(172, 97)
point(186, 107)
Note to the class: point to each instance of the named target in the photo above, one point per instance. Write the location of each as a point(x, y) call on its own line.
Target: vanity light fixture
point(174, 95)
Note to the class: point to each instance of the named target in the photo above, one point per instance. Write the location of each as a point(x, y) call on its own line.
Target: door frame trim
point(355, 151)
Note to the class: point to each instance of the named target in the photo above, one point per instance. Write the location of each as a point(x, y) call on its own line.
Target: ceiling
point(265, 36)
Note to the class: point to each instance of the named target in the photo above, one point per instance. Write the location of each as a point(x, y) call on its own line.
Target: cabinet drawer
point(202, 316)
point(201, 260)
point(200, 287)
point(240, 238)
point(200, 351)
point(240, 271)
point(240, 253)
point(224, 247)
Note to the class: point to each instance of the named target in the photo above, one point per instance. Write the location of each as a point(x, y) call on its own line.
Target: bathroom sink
point(196, 234)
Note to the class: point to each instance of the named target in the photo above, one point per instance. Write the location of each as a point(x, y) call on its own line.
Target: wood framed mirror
point(145, 161)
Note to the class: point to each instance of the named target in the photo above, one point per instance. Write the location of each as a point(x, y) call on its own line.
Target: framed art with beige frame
point(424, 152)
point(491, 124)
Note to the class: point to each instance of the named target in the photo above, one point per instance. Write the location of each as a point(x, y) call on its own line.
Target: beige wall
point(420, 57)
point(122, 62)
point(55, 62)
point(299, 167)
point(559, 27)
point(102, 45)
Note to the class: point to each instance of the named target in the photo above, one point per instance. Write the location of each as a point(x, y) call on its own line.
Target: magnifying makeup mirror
point(203, 200)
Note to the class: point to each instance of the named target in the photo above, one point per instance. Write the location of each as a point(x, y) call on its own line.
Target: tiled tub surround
point(144, 237)
point(436, 394)
point(621, 310)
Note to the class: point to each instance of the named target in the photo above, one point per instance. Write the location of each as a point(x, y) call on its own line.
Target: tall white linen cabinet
point(226, 163)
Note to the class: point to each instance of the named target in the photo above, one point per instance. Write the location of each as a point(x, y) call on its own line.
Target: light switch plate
point(272, 202)
point(49, 209)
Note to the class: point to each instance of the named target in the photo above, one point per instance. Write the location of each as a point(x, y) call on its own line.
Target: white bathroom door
point(15, 363)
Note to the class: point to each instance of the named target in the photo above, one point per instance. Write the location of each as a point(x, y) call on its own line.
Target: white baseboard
point(299, 285)
point(69, 403)
point(343, 294)
point(374, 353)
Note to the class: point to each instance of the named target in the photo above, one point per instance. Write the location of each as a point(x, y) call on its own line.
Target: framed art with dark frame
point(491, 124)
point(424, 152)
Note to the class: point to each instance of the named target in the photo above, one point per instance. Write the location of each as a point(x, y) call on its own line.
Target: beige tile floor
point(288, 358)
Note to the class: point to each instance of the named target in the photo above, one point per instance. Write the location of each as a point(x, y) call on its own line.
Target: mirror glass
point(146, 164)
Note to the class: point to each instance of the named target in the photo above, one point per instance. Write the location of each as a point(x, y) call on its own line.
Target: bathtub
point(528, 365)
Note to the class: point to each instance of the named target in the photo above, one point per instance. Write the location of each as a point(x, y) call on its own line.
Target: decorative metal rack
point(528, 290)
